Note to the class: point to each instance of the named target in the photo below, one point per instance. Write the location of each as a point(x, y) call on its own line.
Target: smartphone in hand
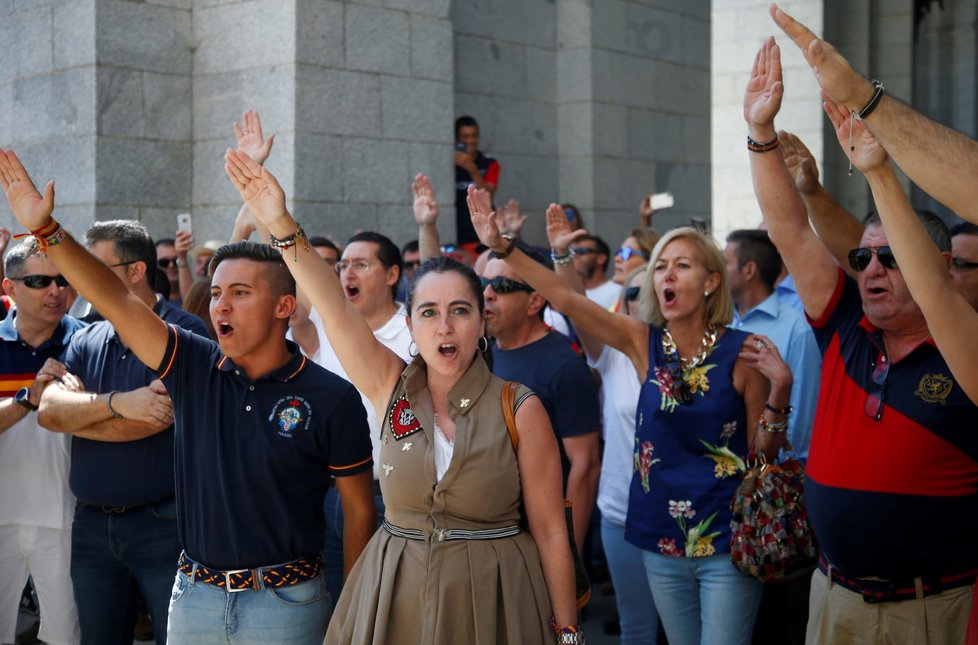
point(660, 201)
point(183, 222)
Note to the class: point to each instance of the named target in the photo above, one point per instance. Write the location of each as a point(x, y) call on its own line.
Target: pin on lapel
point(387, 470)
point(464, 403)
point(406, 446)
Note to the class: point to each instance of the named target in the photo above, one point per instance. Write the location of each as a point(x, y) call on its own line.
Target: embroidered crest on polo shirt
point(934, 388)
point(291, 413)
point(402, 419)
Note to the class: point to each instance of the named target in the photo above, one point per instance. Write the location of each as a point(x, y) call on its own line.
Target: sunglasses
point(626, 253)
point(583, 250)
point(631, 294)
point(876, 396)
point(500, 284)
point(413, 264)
point(860, 258)
point(165, 262)
point(42, 281)
point(961, 263)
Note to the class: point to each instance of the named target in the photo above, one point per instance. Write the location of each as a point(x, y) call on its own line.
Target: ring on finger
point(759, 344)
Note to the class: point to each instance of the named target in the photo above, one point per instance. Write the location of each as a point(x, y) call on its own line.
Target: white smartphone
point(660, 201)
point(183, 222)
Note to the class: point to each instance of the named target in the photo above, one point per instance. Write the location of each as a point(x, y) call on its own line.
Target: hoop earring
point(412, 349)
point(483, 344)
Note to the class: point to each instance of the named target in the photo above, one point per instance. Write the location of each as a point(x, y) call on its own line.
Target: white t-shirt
point(606, 294)
point(620, 388)
point(34, 476)
point(394, 335)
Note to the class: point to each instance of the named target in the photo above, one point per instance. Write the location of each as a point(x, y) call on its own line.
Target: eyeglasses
point(42, 281)
point(583, 250)
point(123, 264)
point(626, 253)
point(500, 284)
point(631, 294)
point(860, 258)
point(357, 265)
point(962, 264)
point(163, 263)
point(875, 398)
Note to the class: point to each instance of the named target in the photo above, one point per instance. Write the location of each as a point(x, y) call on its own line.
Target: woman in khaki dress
point(450, 564)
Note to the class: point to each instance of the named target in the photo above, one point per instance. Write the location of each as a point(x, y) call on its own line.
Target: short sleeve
point(843, 312)
point(348, 437)
point(577, 410)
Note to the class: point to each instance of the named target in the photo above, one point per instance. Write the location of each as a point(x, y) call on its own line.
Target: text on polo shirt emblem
point(934, 388)
point(402, 419)
point(291, 413)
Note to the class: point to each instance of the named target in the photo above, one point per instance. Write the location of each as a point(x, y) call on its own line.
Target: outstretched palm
point(258, 187)
point(425, 206)
point(559, 232)
point(250, 138)
point(800, 162)
point(866, 153)
point(31, 209)
point(762, 98)
point(483, 217)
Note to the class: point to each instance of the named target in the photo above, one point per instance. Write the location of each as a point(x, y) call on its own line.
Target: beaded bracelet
point(562, 260)
point(290, 240)
point(772, 427)
point(786, 410)
point(51, 234)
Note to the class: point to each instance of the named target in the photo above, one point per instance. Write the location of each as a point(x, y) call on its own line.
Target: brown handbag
point(581, 579)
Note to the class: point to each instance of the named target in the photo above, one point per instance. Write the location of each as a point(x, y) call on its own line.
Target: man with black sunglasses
point(892, 444)
point(121, 451)
point(36, 504)
point(525, 350)
point(591, 256)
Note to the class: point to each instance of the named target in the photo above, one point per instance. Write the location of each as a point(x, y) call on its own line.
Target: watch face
point(23, 397)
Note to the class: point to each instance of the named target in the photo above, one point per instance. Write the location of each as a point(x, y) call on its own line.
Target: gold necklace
point(706, 346)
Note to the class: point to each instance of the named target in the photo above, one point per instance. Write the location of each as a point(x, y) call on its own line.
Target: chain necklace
point(706, 346)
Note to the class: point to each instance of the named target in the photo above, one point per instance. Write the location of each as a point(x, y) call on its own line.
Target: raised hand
point(258, 187)
point(833, 72)
point(512, 217)
point(4, 239)
point(483, 217)
point(559, 232)
point(425, 206)
point(762, 98)
point(800, 162)
point(760, 353)
point(866, 153)
point(250, 139)
point(30, 208)
point(183, 243)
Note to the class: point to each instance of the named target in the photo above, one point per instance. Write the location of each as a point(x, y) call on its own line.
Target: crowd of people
point(296, 440)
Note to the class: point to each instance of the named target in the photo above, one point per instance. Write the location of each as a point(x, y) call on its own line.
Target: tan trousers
point(839, 616)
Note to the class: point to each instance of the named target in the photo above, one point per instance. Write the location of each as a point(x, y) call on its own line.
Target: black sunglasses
point(631, 294)
point(860, 258)
point(583, 250)
point(500, 284)
point(42, 281)
point(961, 263)
point(165, 262)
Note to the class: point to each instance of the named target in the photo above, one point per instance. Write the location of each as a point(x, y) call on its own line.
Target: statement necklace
point(680, 367)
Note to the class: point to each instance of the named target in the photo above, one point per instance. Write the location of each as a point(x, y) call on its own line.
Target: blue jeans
point(703, 600)
point(333, 546)
point(201, 613)
point(107, 550)
point(636, 611)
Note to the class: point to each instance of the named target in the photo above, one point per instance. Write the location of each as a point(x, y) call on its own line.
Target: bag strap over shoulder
point(509, 411)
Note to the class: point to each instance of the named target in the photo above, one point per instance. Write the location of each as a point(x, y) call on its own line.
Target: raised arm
point(426, 217)
point(621, 332)
point(950, 319)
point(838, 229)
point(140, 328)
point(184, 243)
point(372, 368)
point(944, 163)
point(807, 259)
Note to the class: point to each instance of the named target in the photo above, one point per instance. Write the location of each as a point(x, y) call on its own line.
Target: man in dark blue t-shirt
point(524, 349)
point(121, 453)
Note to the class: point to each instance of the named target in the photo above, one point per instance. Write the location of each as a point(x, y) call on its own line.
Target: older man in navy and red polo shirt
point(892, 484)
point(259, 430)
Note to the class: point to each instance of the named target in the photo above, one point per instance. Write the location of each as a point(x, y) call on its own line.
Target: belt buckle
point(227, 580)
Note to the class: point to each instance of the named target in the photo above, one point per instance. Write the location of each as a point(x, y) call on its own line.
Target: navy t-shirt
point(254, 458)
point(126, 473)
point(561, 379)
point(897, 497)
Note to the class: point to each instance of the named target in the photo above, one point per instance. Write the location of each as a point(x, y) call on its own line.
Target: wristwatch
point(23, 397)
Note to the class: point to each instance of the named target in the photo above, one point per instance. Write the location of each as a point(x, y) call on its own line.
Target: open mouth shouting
point(668, 297)
point(448, 350)
point(224, 330)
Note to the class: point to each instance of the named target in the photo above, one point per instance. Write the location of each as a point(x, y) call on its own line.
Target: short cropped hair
point(276, 272)
point(17, 256)
point(131, 241)
point(964, 228)
point(755, 246)
point(719, 304)
point(465, 121)
point(936, 228)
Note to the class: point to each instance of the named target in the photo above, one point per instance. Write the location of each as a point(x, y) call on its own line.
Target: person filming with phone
point(472, 168)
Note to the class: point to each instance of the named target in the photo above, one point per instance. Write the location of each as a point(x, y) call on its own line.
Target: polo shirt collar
point(465, 393)
point(295, 365)
point(157, 309)
point(876, 335)
point(8, 331)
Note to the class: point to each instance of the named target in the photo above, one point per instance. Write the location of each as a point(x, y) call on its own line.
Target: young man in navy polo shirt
point(121, 453)
point(259, 430)
point(35, 503)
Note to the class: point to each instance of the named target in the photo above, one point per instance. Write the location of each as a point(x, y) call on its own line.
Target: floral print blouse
point(688, 456)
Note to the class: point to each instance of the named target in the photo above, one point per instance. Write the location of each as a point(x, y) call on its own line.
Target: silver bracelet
point(562, 260)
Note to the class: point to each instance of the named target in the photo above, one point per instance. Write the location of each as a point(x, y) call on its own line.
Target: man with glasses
point(524, 350)
point(591, 256)
point(369, 270)
point(36, 504)
point(892, 445)
point(121, 452)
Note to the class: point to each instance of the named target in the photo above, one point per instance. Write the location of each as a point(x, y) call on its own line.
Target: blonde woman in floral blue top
point(710, 390)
